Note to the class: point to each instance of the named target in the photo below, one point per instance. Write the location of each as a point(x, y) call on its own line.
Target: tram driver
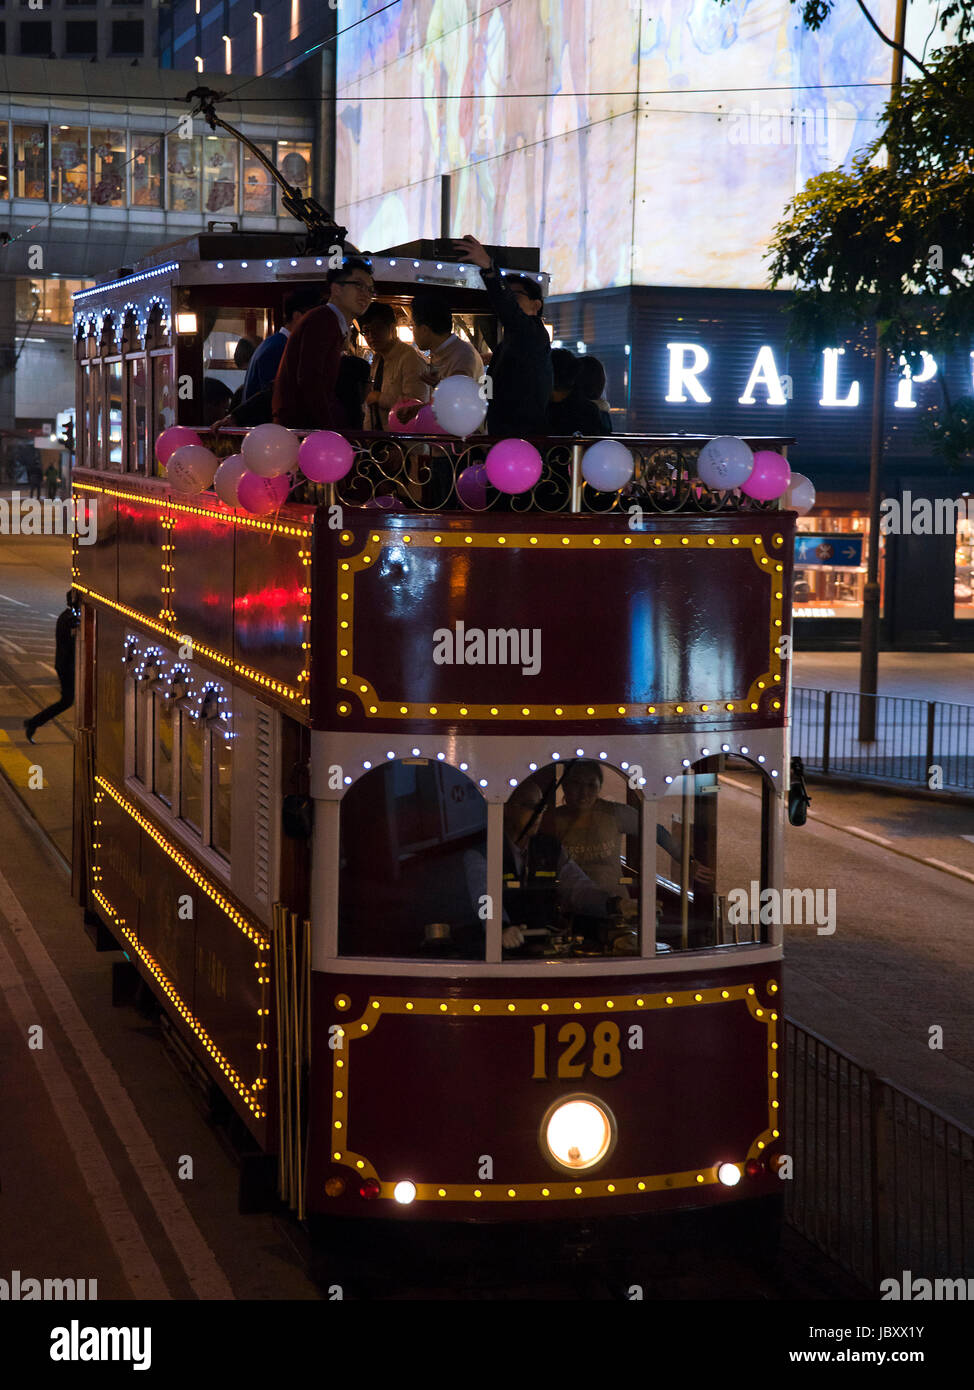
point(540, 880)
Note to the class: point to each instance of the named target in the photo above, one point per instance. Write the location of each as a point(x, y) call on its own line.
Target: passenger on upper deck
point(304, 388)
point(568, 412)
point(433, 330)
point(520, 368)
point(398, 369)
point(266, 360)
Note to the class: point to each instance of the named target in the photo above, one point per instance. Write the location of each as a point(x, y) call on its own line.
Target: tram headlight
point(404, 1193)
point(729, 1174)
point(578, 1132)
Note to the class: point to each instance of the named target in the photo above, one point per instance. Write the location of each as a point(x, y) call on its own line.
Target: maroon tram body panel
point(674, 621)
point(446, 1084)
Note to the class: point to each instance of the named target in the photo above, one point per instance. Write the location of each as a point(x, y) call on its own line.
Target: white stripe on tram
point(198, 1261)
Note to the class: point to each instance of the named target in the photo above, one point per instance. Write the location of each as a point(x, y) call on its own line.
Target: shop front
point(718, 361)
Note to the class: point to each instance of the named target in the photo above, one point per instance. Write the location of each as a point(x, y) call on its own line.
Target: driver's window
point(571, 854)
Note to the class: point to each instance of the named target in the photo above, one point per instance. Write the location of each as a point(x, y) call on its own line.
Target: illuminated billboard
point(633, 147)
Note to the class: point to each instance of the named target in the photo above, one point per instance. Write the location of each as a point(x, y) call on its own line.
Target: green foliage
point(952, 433)
point(814, 13)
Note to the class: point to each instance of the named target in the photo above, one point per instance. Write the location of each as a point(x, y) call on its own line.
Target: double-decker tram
point(409, 806)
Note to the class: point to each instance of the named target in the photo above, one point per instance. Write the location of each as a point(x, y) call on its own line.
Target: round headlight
point(729, 1174)
point(404, 1192)
point(578, 1132)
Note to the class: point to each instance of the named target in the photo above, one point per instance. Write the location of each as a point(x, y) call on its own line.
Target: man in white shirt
point(398, 370)
point(433, 333)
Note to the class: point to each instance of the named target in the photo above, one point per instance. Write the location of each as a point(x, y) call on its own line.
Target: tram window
point(69, 164)
point(146, 167)
point(138, 417)
point(162, 747)
point(191, 771)
point(570, 862)
point(220, 156)
point(220, 768)
point(141, 710)
point(704, 850)
point(113, 384)
point(30, 161)
point(108, 154)
point(162, 396)
point(407, 829)
point(230, 337)
point(258, 186)
point(183, 164)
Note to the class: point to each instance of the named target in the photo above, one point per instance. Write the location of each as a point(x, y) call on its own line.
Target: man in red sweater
point(304, 388)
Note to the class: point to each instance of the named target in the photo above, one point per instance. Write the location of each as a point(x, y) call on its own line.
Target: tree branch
point(892, 42)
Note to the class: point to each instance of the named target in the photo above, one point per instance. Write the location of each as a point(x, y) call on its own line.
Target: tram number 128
point(602, 1059)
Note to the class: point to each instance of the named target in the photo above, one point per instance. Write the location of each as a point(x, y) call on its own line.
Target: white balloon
point(607, 465)
point(228, 476)
point(270, 450)
point(800, 495)
point(458, 405)
point(191, 468)
point(725, 462)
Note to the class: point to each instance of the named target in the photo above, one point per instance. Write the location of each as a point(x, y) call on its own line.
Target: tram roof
point(273, 257)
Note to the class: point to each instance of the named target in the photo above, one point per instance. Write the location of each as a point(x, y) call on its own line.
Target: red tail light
point(371, 1187)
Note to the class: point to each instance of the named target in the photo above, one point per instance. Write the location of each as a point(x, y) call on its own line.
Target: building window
point(831, 555)
point(294, 162)
point(258, 186)
point(30, 161)
point(184, 174)
point(47, 300)
point(108, 168)
point(4, 156)
point(35, 38)
point(964, 566)
point(69, 164)
point(81, 36)
point(127, 36)
point(146, 170)
point(220, 156)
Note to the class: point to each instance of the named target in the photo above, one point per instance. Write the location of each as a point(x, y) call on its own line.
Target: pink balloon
point(513, 465)
point(472, 487)
point(384, 503)
point(426, 422)
point(172, 439)
point(395, 424)
point(769, 477)
point(260, 495)
point(325, 456)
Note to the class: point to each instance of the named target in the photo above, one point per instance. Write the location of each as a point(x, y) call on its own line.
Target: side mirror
point(798, 797)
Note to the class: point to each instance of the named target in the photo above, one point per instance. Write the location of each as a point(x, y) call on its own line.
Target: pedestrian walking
point(52, 478)
point(67, 626)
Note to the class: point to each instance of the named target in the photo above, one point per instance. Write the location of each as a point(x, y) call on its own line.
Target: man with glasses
point(305, 386)
point(520, 368)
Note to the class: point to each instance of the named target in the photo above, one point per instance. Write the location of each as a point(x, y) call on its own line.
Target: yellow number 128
point(606, 1059)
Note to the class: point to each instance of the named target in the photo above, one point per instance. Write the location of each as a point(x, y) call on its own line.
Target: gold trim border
point(362, 689)
point(377, 1005)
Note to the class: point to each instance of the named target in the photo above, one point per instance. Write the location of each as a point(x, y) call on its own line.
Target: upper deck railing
point(414, 472)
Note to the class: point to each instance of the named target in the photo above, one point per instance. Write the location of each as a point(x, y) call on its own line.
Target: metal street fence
point(913, 737)
point(882, 1183)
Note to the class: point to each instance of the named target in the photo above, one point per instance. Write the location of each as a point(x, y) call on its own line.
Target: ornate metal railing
point(419, 473)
